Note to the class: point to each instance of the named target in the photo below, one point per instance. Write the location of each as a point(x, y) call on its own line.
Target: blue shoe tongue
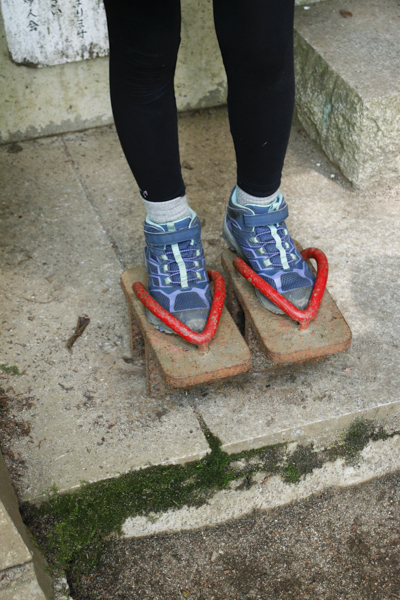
point(188, 253)
point(264, 233)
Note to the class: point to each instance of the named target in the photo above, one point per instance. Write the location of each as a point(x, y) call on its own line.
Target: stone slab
point(348, 106)
point(12, 549)
point(17, 549)
point(177, 362)
point(20, 583)
point(91, 417)
point(278, 337)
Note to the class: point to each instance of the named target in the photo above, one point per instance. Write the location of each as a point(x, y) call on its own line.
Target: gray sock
point(167, 212)
point(244, 198)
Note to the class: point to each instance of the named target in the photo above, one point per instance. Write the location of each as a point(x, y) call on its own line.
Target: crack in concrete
point(112, 242)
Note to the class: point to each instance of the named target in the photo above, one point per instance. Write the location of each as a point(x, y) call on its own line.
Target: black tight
point(256, 41)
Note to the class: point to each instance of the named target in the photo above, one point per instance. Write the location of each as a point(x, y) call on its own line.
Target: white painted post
point(42, 33)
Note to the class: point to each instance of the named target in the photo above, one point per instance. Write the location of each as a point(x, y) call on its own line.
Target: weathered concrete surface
point(20, 583)
point(13, 550)
point(92, 417)
point(38, 102)
point(21, 565)
point(79, 207)
point(332, 546)
point(348, 85)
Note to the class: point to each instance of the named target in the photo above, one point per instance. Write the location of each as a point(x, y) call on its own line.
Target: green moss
point(74, 528)
point(10, 369)
point(71, 528)
point(302, 461)
point(359, 433)
point(291, 473)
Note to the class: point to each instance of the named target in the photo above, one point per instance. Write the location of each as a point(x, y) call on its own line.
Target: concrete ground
point(71, 222)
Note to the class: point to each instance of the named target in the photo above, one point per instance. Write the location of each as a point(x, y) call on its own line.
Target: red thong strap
point(302, 316)
point(199, 339)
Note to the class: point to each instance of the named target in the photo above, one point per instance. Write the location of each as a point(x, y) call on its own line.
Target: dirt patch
point(338, 545)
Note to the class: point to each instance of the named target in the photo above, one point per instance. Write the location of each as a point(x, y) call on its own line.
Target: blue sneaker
point(178, 280)
point(259, 236)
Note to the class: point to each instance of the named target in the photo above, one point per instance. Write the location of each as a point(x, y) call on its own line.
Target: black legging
point(256, 42)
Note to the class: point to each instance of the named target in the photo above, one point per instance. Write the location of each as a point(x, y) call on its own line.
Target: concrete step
point(348, 84)
point(72, 222)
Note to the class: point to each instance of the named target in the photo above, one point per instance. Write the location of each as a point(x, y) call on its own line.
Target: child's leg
point(144, 41)
point(256, 41)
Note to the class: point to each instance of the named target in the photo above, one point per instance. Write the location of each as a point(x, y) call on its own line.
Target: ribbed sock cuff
point(168, 212)
point(244, 198)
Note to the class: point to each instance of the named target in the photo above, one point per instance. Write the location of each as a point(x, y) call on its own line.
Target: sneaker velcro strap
point(174, 237)
point(266, 219)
